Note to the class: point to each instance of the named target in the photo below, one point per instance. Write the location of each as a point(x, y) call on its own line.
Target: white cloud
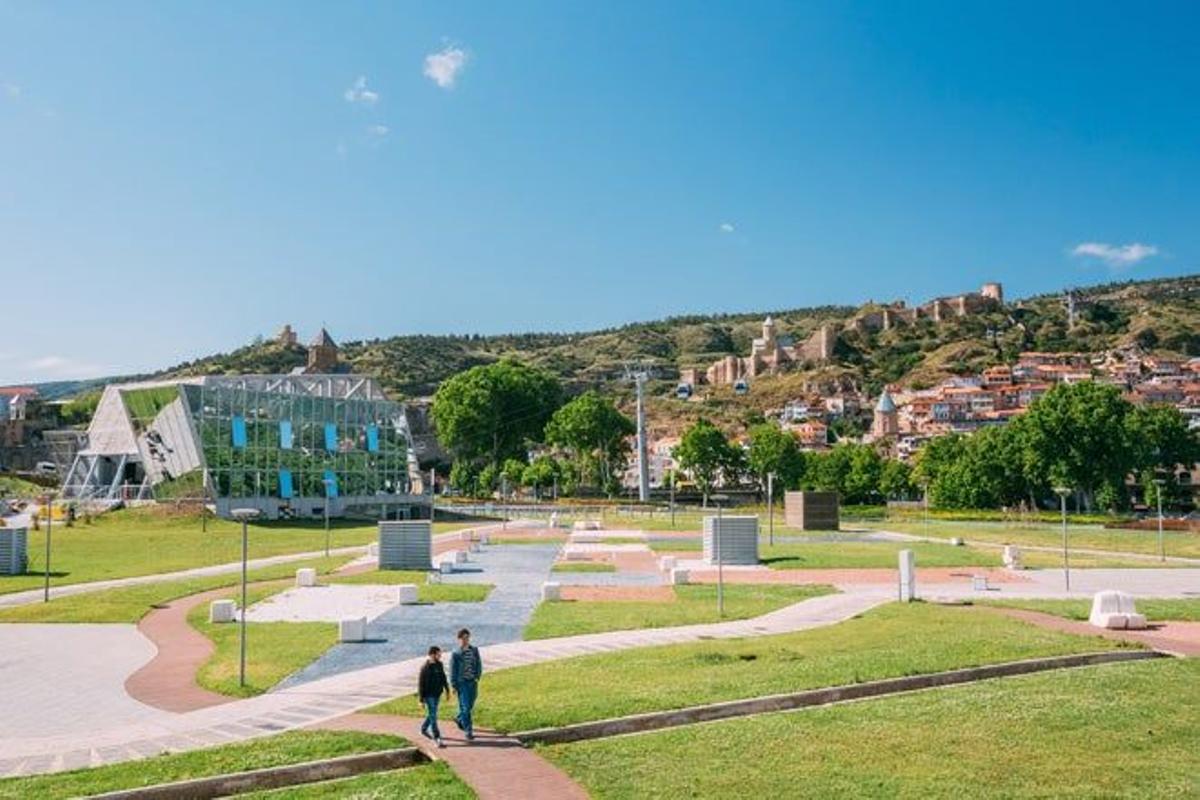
point(1116, 256)
point(443, 66)
point(359, 93)
point(727, 227)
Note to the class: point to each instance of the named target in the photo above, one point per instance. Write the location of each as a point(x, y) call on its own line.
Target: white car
point(46, 468)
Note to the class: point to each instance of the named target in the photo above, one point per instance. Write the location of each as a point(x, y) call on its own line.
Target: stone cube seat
point(406, 594)
point(551, 590)
point(222, 611)
point(306, 576)
point(679, 577)
point(1012, 556)
point(1115, 611)
point(353, 629)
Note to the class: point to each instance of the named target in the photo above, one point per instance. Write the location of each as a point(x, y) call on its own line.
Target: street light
point(1159, 483)
point(48, 501)
point(328, 487)
point(771, 508)
point(1062, 492)
point(244, 515)
point(717, 498)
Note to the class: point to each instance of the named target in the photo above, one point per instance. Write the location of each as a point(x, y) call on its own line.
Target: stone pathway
point(307, 703)
point(496, 767)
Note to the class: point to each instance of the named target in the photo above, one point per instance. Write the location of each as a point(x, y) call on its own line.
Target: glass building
point(286, 444)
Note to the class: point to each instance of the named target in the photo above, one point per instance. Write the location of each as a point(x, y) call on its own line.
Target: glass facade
point(271, 444)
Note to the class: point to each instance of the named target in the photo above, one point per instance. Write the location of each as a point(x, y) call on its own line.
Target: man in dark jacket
point(466, 668)
point(430, 685)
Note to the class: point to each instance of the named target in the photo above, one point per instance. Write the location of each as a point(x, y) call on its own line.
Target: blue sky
point(178, 177)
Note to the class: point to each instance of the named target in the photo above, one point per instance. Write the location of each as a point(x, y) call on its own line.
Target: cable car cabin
point(741, 387)
point(683, 391)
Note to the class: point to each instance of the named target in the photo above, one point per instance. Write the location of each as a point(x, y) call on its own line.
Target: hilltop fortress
point(773, 352)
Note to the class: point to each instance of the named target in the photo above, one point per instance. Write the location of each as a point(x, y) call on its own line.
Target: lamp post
point(49, 506)
point(1062, 492)
point(1159, 483)
point(717, 498)
point(243, 515)
point(771, 508)
point(328, 488)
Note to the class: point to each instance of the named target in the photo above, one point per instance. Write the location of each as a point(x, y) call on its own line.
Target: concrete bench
point(352, 630)
point(679, 577)
point(551, 590)
point(1115, 611)
point(222, 611)
point(1012, 556)
point(306, 577)
point(406, 594)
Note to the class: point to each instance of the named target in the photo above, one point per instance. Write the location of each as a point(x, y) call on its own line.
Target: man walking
point(466, 667)
point(430, 685)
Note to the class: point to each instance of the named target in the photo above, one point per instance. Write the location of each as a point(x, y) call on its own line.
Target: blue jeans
point(431, 710)
point(467, 692)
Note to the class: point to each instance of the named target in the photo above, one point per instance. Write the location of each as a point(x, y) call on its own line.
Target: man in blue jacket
point(466, 667)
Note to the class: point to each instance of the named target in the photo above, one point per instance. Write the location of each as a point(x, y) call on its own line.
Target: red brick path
point(497, 767)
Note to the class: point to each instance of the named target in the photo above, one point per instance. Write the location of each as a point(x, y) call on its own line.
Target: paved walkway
point(496, 767)
point(317, 700)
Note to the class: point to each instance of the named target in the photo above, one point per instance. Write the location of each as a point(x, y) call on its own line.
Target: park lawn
point(152, 540)
point(426, 592)
point(1117, 730)
point(676, 545)
point(1042, 559)
point(294, 747)
point(583, 566)
point(1093, 537)
point(887, 642)
point(129, 604)
point(274, 649)
point(426, 782)
point(1155, 609)
point(872, 555)
point(693, 605)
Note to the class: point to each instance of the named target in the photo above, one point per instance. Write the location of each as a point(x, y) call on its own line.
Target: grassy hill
point(1161, 316)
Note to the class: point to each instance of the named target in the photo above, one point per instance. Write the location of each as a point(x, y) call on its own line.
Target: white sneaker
point(440, 743)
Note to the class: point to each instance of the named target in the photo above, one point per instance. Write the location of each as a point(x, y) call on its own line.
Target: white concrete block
point(306, 576)
point(908, 576)
point(679, 577)
point(446, 566)
point(406, 594)
point(460, 556)
point(666, 563)
point(222, 611)
point(956, 541)
point(373, 549)
point(1115, 611)
point(1012, 556)
point(352, 630)
point(551, 590)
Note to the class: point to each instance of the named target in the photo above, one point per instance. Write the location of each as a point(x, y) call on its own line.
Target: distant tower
point(768, 334)
point(887, 420)
point(1069, 301)
point(993, 291)
point(322, 354)
point(287, 336)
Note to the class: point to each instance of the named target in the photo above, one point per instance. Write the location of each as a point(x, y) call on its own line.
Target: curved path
point(328, 698)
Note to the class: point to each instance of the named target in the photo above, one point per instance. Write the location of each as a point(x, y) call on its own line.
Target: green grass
point(692, 605)
point(872, 555)
point(274, 649)
point(427, 592)
point(1094, 537)
point(886, 642)
point(1119, 730)
point(676, 546)
point(148, 541)
point(1156, 610)
point(12, 486)
point(129, 604)
point(286, 748)
point(426, 782)
point(583, 566)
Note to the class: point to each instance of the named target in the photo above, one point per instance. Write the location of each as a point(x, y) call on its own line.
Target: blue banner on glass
point(373, 438)
point(331, 487)
point(285, 434)
point(331, 436)
point(239, 432)
point(285, 483)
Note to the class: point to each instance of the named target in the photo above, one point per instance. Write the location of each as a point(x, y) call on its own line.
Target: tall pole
point(242, 644)
point(672, 500)
point(49, 526)
point(432, 493)
point(327, 487)
point(643, 461)
point(720, 570)
point(1062, 494)
point(771, 507)
point(1162, 551)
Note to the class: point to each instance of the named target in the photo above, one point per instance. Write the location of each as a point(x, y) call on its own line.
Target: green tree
point(774, 450)
point(489, 413)
point(513, 472)
point(596, 433)
point(708, 456)
point(1163, 445)
point(895, 479)
point(539, 475)
point(1079, 435)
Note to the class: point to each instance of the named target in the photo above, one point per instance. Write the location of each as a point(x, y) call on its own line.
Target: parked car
point(46, 468)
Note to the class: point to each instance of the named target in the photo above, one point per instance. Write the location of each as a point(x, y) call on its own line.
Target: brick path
point(1180, 638)
point(497, 767)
